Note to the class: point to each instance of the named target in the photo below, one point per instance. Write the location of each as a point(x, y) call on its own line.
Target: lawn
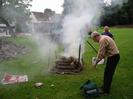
point(67, 86)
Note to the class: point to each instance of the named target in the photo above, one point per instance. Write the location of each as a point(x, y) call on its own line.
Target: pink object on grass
point(11, 79)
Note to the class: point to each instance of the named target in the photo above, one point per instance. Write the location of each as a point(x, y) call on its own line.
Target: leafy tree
point(123, 16)
point(14, 11)
point(129, 11)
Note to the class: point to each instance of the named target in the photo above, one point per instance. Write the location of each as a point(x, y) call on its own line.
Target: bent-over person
point(109, 50)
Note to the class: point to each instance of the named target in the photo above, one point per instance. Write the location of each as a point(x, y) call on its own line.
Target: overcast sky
point(40, 5)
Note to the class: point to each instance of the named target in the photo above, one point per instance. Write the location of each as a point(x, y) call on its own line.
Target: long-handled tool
point(79, 53)
point(92, 47)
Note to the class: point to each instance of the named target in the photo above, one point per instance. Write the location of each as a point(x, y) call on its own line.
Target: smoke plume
point(80, 17)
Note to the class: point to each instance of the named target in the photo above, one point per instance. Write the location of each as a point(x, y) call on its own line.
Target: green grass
point(67, 86)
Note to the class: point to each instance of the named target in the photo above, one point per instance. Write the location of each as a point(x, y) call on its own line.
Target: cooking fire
point(67, 65)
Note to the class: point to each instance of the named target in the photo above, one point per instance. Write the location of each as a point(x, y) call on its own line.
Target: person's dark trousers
point(109, 72)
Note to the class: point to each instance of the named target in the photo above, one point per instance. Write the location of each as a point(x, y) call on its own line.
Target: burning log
point(67, 65)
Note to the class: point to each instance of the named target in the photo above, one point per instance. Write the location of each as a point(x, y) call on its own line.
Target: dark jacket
point(108, 34)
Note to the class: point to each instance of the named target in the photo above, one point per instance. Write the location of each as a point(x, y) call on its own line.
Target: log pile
point(67, 65)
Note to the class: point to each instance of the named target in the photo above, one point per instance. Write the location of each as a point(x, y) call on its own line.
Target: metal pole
point(79, 52)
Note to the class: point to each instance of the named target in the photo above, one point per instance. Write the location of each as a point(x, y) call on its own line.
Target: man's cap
point(94, 34)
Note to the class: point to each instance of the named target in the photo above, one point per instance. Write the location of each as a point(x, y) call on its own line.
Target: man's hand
point(95, 62)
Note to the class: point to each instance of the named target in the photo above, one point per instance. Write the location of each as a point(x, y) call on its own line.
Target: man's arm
point(101, 52)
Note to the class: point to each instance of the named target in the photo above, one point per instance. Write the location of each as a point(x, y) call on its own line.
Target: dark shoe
point(101, 92)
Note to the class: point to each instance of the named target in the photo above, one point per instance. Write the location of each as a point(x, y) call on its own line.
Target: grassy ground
point(67, 86)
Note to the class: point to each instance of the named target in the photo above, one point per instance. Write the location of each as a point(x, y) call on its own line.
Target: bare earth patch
point(11, 50)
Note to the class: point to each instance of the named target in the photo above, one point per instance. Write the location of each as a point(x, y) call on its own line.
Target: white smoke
point(84, 13)
point(108, 2)
point(114, 3)
point(47, 47)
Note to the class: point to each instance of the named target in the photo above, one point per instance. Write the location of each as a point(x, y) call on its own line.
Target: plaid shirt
point(107, 47)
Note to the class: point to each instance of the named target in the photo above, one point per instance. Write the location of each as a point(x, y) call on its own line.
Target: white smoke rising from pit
point(84, 13)
point(84, 16)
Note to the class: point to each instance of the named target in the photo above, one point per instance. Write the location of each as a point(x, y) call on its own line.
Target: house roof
point(40, 16)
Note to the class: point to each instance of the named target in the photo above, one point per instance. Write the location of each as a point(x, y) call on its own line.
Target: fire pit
point(67, 65)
